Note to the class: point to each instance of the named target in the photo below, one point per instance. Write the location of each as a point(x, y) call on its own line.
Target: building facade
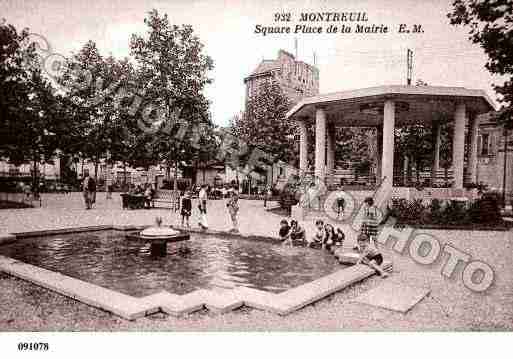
point(491, 156)
point(296, 78)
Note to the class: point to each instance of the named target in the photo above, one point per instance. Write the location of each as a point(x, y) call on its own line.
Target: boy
point(341, 204)
point(284, 231)
point(368, 255)
point(297, 234)
point(186, 208)
point(202, 206)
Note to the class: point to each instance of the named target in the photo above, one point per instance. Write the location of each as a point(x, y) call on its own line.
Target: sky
point(443, 55)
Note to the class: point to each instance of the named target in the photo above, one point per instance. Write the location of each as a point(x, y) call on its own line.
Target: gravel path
point(450, 306)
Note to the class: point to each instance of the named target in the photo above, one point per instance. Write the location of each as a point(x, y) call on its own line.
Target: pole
point(505, 167)
point(409, 65)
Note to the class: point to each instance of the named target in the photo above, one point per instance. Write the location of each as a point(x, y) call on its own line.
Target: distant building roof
point(264, 67)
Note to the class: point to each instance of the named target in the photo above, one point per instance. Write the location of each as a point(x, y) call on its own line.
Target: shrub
point(455, 213)
point(436, 211)
point(486, 209)
point(408, 211)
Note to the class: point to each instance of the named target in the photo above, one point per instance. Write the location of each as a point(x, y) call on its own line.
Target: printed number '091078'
point(33, 347)
point(282, 17)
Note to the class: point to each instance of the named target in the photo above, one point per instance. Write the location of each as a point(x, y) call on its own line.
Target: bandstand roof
point(414, 104)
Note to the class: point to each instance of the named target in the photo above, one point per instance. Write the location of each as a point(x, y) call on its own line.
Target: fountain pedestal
point(160, 236)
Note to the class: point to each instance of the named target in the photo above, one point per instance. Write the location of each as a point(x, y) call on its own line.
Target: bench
point(132, 201)
point(169, 197)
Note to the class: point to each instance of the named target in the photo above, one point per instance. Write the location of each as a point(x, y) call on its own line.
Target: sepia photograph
point(288, 167)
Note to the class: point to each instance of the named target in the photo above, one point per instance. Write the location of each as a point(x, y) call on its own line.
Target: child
point(319, 236)
point(368, 255)
point(233, 209)
point(370, 221)
point(341, 204)
point(330, 237)
point(340, 238)
point(284, 231)
point(186, 207)
point(297, 233)
point(202, 206)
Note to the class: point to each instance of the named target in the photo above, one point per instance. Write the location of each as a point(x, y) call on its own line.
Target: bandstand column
point(458, 145)
point(303, 147)
point(330, 161)
point(472, 160)
point(320, 143)
point(379, 149)
point(387, 159)
point(436, 129)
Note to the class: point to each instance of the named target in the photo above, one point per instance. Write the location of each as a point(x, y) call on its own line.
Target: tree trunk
point(96, 161)
point(124, 176)
point(409, 171)
point(405, 171)
point(35, 182)
point(418, 168)
point(175, 179)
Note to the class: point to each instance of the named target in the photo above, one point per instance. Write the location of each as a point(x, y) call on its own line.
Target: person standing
point(92, 188)
point(341, 203)
point(87, 190)
point(233, 210)
point(108, 187)
point(186, 208)
point(202, 197)
point(371, 220)
point(267, 195)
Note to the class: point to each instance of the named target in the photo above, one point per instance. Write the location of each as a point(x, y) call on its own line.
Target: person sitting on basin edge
point(369, 255)
point(320, 235)
point(284, 231)
point(297, 234)
point(332, 239)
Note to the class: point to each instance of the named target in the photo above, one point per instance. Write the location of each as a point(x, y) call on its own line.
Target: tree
point(31, 119)
point(491, 26)
point(173, 68)
point(86, 105)
point(263, 123)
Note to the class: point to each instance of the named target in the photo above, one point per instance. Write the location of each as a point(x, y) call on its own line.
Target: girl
point(330, 237)
point(319, 236)
point(370, 220)
point(340, 238)
point(233, 209)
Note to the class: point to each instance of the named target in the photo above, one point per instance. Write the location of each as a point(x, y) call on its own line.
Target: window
point(485, 139)
point(487, 144)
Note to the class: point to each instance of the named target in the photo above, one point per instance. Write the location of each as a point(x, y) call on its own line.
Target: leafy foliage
point(173, 69)
point(31, 122)
point(491, 26)
point(263, 124)
point(485, 210)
